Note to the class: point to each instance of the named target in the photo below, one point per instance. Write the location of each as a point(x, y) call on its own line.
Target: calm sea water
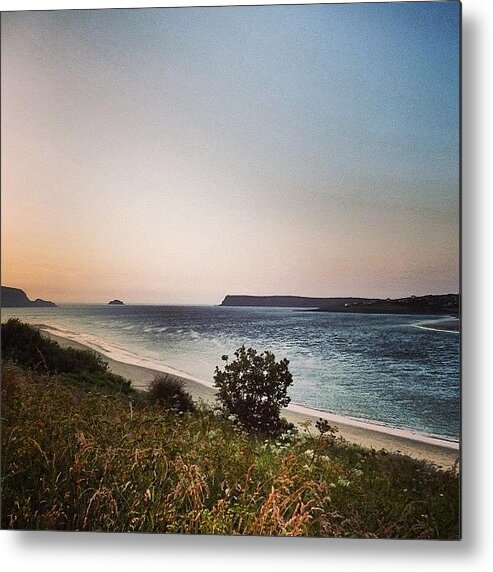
point(374, 367)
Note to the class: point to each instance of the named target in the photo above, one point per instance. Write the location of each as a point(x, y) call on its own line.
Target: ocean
point(380, 368)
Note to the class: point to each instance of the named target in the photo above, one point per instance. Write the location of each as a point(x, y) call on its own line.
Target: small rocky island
point(17, 298)
point(116, 302)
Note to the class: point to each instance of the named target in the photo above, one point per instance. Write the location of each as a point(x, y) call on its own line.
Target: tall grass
point(79, 460)
point(24, 345)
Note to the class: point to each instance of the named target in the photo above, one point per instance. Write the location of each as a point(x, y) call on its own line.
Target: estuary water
point(380, 368)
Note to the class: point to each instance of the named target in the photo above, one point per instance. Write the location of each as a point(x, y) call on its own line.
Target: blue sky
point(176, 155)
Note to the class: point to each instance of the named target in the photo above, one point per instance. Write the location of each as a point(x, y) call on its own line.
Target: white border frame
point(36, 551)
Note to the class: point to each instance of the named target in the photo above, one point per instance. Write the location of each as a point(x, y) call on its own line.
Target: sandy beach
point(440, 452)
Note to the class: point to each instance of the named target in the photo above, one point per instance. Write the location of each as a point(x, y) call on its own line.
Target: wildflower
point(343, 482)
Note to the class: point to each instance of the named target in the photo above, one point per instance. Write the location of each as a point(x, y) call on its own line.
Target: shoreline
point(441, 452)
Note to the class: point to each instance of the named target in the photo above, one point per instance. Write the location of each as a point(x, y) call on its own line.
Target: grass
point(24, 345)
point(79, 458)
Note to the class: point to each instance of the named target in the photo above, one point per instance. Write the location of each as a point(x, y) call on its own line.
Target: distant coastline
point(288, 301)
point(17, 298)
point(433, 304)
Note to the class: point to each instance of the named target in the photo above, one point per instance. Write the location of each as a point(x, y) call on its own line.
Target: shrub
point(24, 345)
point(168, 392)
point(253, 388)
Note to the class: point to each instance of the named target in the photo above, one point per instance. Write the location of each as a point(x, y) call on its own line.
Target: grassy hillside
point(82, 458)
point(24, 345)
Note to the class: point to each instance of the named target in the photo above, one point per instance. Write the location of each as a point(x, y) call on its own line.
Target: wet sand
point(440, 452)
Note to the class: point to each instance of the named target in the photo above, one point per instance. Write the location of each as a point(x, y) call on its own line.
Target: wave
point(440, 325)
point(118, 353)
point(380, 426)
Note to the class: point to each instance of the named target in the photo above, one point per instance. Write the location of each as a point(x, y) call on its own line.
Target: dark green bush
point(253, 389)
point(24, 345)
point(168, 392)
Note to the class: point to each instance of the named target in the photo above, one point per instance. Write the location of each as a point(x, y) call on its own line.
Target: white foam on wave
point(427, 325)
point(376, 426)
point(118, 353)
point(436, 329)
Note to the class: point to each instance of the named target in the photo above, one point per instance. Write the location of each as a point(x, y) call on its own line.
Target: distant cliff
point(17, 298)
point(438, 304)
point(431, 304)
point(289, 301)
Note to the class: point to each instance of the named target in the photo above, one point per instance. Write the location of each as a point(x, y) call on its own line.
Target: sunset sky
point(179, 155)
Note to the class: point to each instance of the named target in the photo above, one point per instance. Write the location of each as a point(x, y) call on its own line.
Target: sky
point(179, 155)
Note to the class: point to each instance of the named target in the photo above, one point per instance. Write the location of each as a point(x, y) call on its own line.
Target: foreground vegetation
point(82, 458)
point(24, 345)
